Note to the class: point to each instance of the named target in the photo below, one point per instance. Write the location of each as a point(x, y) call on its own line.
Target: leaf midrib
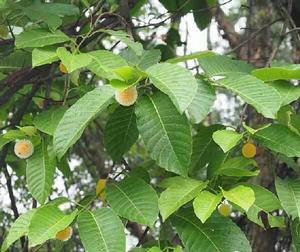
point(166, 133)
point(197, 227)
point(131, 202)
point(101, 235)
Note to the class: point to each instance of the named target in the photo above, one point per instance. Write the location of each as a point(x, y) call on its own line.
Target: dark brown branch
point(224, 24)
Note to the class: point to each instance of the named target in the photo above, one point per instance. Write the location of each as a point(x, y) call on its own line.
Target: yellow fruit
point(99, 188)
point(23, 148)
point(126, 97)
point(65, 234)
point(63, 68)
point(249, 150)
point(224, 209)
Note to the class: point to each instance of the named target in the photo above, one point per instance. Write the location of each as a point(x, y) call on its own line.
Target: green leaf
point(4, 141)
point(288, 192)
point(215, 235)
point(276, 221)
point(279, 138)
point(219, 65)
point(166, 133)
point(101, 230)
point(227, 139)
point(37, 12)
point(178, 194)
point(265, 201)
point(18, 229)
point(240, 195)
point(50, 13)
point(43, 56)
point(78, 116)
point(46, 222)
point(205, 151)
point(191, 56)
point(205, 204)
point(104, 62)
point(40, 173)
point(40, 38)
point(133, 199)
point(288, 117)
point(16, 60)
point(120, 132)
point(73, 61)
point(124, 37)
point(237, 167)
point(175, 81)
point(148, 58)
point(48, 120)
point(287, 72)
point(202, 18)
point(287, 91)
point(202, 102)
point(264, 98)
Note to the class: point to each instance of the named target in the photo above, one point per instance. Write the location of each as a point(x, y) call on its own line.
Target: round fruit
point(99, 188)
point(224, 209)
point(126, 97)
point(249, 150)
point(23, 148)
point(63, 68)
point(65, 234)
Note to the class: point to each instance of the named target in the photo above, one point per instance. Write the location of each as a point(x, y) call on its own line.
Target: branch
point(229, 32)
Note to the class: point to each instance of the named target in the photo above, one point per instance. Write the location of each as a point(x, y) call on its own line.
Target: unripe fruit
point(99, 188)
point(126, 97)
point(249, 150)
point(224, 209)
point(63, 68)
point(23, 148)
point(65, 234)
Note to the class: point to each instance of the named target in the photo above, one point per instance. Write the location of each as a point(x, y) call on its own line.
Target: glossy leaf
point(288, 192)
point(46, 222)
point(287, 72)
point(219, 65)
point(287, 91)
point(124, 37)
point(205, 204)
point(120, 132)
point(264, 98)
point(166, 133)
point(178, 194)
point(48, 120)
point(77, 117)
point(175, 81)
point(265, 201)
point(40, 173)
point(18, 229)
point(43, 56)
point(238, 167)
point(39, 38)
point(133, 199)
point(227, 139)
point(104, 62)
point(202, 102)
point(72, 61)
point(215, 235)
point(205, 151)
point(279, 138)
point(240, 195)
point(101, 230)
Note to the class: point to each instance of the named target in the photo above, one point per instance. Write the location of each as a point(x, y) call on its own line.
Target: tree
point(90, 82)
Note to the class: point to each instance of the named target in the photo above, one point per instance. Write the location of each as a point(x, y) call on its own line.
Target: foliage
point(186, 165)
